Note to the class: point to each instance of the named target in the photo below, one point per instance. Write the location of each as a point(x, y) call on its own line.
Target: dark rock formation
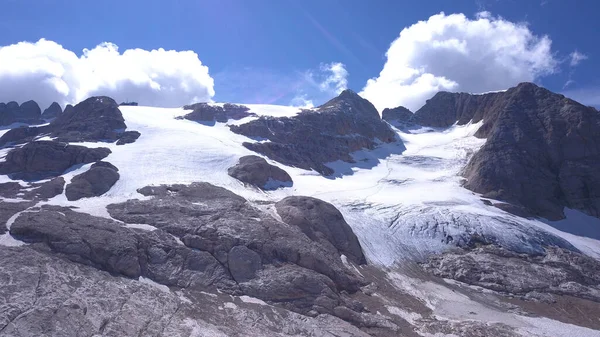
point(53, 111)
point(35, 191)
point(399, 115)
point(542, 151)
point(8, 209)
point(44, 159)
point(256, 171)
point(321, 222)
point(204, 112)
point(29, 113)
point(128, 137)
point(95, 119)
point(92, 183)
point(558, 271)
point(268, 259)
point(331, 132)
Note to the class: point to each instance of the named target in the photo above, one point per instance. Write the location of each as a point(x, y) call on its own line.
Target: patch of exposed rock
point(95, 119)
point(33, 191)
point(268, 259)
point(128, 137)
point(397, 115)
point(44, 159)
point(321, 222)
point(53, 111)
point(256, 171)
point(558, 271)
point(92, 183)
point(9, 209)
point(313, 138)
point(205, 112)
point(29, 113)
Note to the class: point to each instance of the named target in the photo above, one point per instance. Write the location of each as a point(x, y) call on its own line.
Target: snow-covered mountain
point(109, 234)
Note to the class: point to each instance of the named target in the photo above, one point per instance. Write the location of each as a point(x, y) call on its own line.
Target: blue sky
point(273, 51)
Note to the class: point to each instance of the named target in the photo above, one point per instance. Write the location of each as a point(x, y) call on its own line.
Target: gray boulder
point(313, 138)
point(53, 111)
point(44, 159)
point(256, 171)
point(204, 112)
point(321, 222)
point(257, 249)
point(128, 137)
point(92, 183)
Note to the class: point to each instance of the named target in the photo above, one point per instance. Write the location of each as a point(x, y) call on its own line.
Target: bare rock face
point(53, 111)
point(542, 151)
point(95, 119)
point(397, 115)
point(128, 137)
point(256, 171)
point(268, 259)
point(94, 182)
point(29, 113)
point(204, 112)
point(558, 271)
point(321, 222)
point(44, 159)
point(33, 191)
point(331, 132)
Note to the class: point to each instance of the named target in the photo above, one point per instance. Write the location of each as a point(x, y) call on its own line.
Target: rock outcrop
point(256, 171)
point(128, 137)
point(397, 115)
point(558, 271)
point(267, 259)
point(313, 138)
point(542, 151)
point(53, 111)
point(29, 113)
point(44, 159)
point(92, 183)
point(205, 112)
point(95, 119)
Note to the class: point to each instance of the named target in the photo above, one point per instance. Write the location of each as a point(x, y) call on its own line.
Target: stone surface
point(92, 183)
point(256, 171)
point(205, 112)
point(95, 119)
point(29, 113)
point(313, 138)
point(399, 115)
point(559, 271)
point(44, 159)
point(33, 191)
point(214, 220)
point(128, 137)
point(321, 222)
point(53, 111)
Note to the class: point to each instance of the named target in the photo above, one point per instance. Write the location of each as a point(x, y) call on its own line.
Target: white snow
point(248, 299)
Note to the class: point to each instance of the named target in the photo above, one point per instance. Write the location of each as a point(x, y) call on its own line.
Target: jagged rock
point(399, 114)
point(205, 112)
point(558, 271)
point(215, 220)
point(9, 209)
point(35, 191)
point(44, 159)
point(256, 171)
point(321, 222)
point(313, 138)
point(542, 153)
point(128, 137)
point(53, 111)
point(95, 119)
point(29, 112)
point(92, 183)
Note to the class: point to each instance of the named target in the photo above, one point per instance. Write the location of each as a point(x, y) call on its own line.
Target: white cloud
point(455, 53)
point(576, 58)
point(320, 85)
point(47, 72)
point(337, 80)
point(302, 101)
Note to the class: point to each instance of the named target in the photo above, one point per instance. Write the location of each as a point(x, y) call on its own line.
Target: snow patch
point(248, 299)
point(158, 286)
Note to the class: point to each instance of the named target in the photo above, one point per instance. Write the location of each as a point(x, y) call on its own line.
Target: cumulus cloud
point(329, 80)
point(456, 53)
point(576, 58)
point(336, 79)
point(47, 72)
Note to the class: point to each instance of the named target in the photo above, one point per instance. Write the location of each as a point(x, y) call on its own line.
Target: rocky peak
point(398, 114)
point(52, 111)
point(29, 112)
point(349, 102)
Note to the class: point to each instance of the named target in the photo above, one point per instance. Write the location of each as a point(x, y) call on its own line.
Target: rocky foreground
point(200, 260)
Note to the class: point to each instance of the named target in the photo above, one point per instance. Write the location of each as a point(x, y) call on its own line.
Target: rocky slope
point(313, 138)
point(153, 233)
